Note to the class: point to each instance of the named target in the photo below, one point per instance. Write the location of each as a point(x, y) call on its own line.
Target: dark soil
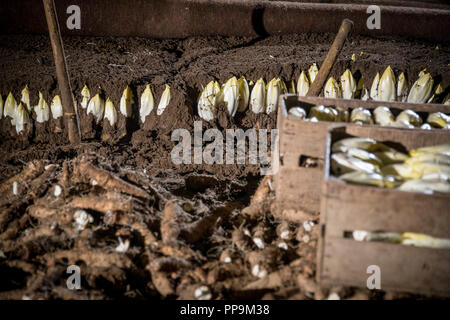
point(37, 235)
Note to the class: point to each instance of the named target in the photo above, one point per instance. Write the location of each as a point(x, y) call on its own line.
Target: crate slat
point(384, 209)
point(404, 268)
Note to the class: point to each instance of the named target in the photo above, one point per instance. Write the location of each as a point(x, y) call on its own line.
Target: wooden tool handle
point(330, 59)
point(61, 71)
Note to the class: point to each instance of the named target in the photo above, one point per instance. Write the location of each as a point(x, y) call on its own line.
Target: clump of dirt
point(138, 225)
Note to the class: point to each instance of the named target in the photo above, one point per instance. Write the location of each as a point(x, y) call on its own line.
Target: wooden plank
point(396, 107)
point(302, 137)
point(352, 207)
point(403, 268)
point(299, 188)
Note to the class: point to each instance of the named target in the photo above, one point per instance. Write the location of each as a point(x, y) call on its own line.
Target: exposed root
point(169, 264)
point(162, 283)
point(101, 204)
point(259, 202)
point(92, 258)
point(107, 180)
point(33, 169)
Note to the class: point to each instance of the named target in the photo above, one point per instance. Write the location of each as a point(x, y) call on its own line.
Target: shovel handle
point(61, 71)
point(330, 59)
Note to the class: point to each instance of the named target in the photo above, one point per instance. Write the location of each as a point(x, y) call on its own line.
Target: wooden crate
point(298, 188)
point(346, 207)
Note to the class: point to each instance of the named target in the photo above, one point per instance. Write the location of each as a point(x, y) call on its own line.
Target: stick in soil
point(330, 59)
point(61, 71)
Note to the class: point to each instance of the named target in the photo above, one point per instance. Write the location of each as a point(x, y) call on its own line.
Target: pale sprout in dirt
point(312, 72)
point(56, 107)
point(26, 98)
point(283, 245)
point(22, 118)
point(231, 95)
point(348, 85)
point(202, 293)
point(386, 87)
point(421, 89)
point(274, 89)
point(333, 296)
point(126, 102)
point(15, 188)
point(259, 242)
point(285, 235)
point(292, 87)
point(97, 107)
point(82, 219)
point(402, 89)
point(42, 110)
point(302, 84)
point(110, 112)
point(259, 272)
point(58, 190)
point(209, 98)
point(332, 89)
point(123, 246)
point(164, 101)
point(10, 106)
point(244, 94)
point(226, 256)
point(258, 97)
point(362, 90)
point(374, 88)
point(85, 97)
point(147, 103)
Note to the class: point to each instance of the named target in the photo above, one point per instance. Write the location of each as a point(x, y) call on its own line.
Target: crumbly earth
point(186, 225)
